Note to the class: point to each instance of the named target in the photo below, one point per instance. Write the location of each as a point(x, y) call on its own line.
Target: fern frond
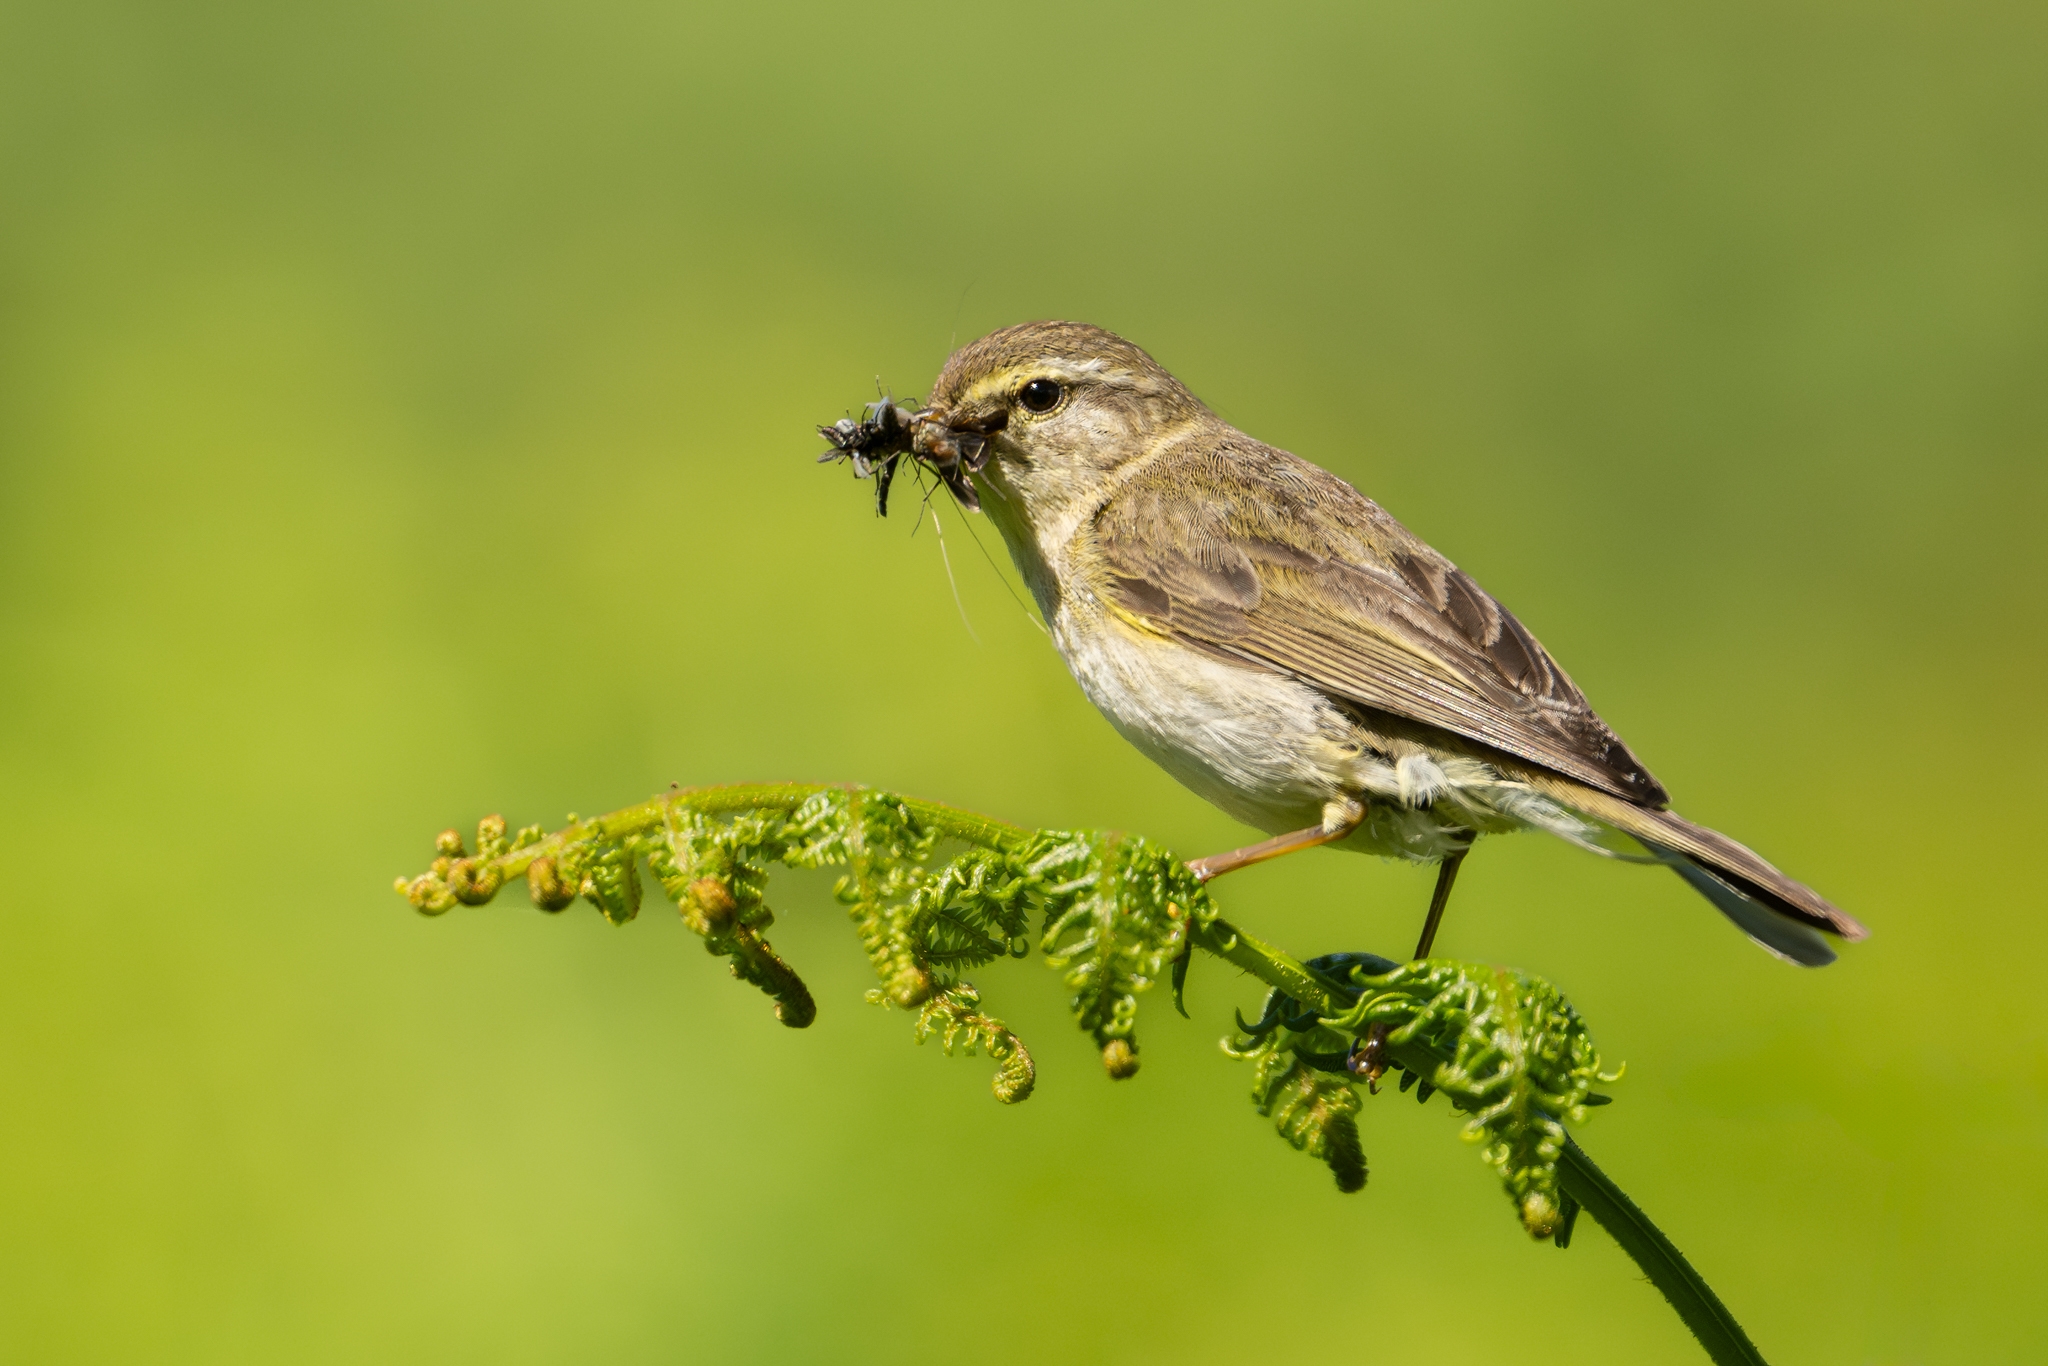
point(1506, 1048)
point(955, 1016)
point(1113, 913)
point(1117, 912)
point(1313, 1109)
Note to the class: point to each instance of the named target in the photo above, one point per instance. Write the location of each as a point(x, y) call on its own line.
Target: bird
point(1285, 648)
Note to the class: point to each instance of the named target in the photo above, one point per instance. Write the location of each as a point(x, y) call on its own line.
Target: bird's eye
point(1039, 396)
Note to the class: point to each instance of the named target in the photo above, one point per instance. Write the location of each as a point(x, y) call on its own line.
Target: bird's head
point(1048, 411)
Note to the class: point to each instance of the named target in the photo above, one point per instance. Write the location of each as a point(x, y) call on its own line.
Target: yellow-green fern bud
point(429, 895)
point(546, 885)
point(910, 986)
point(613, 884)
point(1017, 1076)
point(708, 907)
point(1540, 1214)
point(473, 881)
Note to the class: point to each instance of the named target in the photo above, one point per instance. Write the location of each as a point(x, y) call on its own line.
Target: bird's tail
point(1783, 916)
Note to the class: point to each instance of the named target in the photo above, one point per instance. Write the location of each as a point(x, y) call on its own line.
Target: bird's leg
point(1446, 874)
point(1340, 818)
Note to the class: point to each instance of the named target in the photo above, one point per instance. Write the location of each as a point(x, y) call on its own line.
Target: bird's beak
point(953, 448)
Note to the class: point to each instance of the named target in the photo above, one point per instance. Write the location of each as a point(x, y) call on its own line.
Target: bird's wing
point(1254, 554)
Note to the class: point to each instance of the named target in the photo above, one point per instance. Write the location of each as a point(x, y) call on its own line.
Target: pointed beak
point(951, 452)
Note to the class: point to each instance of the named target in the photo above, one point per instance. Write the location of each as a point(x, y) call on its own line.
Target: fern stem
point(1271, 966)
point(1668, 1270)
point(960, 824)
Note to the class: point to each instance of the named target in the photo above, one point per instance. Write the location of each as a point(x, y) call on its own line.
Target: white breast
point(1264, 748)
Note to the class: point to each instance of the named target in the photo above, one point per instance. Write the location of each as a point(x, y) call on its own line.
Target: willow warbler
point(1282, 646)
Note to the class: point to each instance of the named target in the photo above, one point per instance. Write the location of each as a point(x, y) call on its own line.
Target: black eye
point(1039, 396)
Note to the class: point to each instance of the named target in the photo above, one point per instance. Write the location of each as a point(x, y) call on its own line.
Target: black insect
point(877, 441)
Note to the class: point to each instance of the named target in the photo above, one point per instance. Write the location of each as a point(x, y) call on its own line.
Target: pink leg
point(1216, 865)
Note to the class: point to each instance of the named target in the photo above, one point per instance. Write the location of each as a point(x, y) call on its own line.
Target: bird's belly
point(1266, 749)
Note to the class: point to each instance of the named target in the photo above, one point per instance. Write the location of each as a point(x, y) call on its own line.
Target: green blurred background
point(405, 414)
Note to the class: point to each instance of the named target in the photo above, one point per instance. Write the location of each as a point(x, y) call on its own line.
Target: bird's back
point(1244, 550)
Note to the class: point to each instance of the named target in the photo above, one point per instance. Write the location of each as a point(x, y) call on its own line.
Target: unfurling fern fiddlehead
point(1507, 1049)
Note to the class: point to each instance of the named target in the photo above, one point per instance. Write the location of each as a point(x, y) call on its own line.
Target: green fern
point(1112, 913)
point(1312, 1108)
point(954, 1015)
point(1117, 913)
point(1506, 1048)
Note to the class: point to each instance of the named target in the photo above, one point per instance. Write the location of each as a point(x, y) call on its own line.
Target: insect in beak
point(877, 441)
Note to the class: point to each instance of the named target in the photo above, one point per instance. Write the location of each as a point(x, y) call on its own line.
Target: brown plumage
point(1155, 536)
point(1285, 565)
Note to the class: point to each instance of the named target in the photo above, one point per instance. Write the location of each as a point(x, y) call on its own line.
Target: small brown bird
point(1282, 646)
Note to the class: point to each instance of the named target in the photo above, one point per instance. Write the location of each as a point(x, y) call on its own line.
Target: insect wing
point(955, 477)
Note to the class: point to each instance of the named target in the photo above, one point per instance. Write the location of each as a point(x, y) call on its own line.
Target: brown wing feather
point(1290, 568)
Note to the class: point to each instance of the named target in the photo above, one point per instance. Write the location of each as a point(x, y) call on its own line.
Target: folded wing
point(1295, 570)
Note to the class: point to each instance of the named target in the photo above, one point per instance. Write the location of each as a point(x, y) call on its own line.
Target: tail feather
point(1790, 939)
point(1780, 914)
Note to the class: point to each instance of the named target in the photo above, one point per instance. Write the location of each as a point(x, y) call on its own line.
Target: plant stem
point(1271, 966)
point(1664, 1264)
point(954, 821)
